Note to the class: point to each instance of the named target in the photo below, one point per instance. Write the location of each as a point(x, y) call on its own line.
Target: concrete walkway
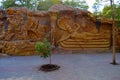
point(73, 67)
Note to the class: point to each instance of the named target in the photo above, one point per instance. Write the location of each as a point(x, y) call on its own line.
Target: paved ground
point(73, 67)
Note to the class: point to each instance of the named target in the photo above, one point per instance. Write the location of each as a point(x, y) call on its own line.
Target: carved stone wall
point(64, 26)
point(24, 28)
point(76, 30)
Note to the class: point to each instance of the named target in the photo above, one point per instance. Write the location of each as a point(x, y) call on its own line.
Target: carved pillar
point(53, 19)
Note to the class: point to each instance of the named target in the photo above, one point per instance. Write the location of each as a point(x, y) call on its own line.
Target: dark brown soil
point(49, 67)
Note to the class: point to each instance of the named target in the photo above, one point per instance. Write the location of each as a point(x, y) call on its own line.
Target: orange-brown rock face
point(24, 28)
point(64, 26)
point(78, 30)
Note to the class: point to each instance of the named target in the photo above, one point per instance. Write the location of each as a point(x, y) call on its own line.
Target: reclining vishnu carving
point(74, 30)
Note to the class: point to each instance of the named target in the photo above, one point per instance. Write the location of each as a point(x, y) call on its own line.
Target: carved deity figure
point(74, 30)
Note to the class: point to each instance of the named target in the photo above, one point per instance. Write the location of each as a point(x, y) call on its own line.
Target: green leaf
point(44, 47)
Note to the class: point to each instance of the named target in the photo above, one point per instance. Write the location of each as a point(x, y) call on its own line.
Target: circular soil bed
point(49, 67)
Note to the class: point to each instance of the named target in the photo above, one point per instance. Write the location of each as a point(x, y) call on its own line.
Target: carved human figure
point(30, 27)
point(74, 31)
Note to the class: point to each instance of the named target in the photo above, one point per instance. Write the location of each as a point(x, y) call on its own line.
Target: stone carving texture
point(25, 27)
point(64, 26)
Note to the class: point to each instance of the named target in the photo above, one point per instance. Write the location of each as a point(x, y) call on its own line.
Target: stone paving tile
point(91, 66)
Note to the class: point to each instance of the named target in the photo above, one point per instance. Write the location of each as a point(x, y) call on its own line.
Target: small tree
point(44, 49)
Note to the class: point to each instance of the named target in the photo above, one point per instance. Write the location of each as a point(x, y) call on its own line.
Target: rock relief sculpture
point(71, 30)
point(75, 31)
